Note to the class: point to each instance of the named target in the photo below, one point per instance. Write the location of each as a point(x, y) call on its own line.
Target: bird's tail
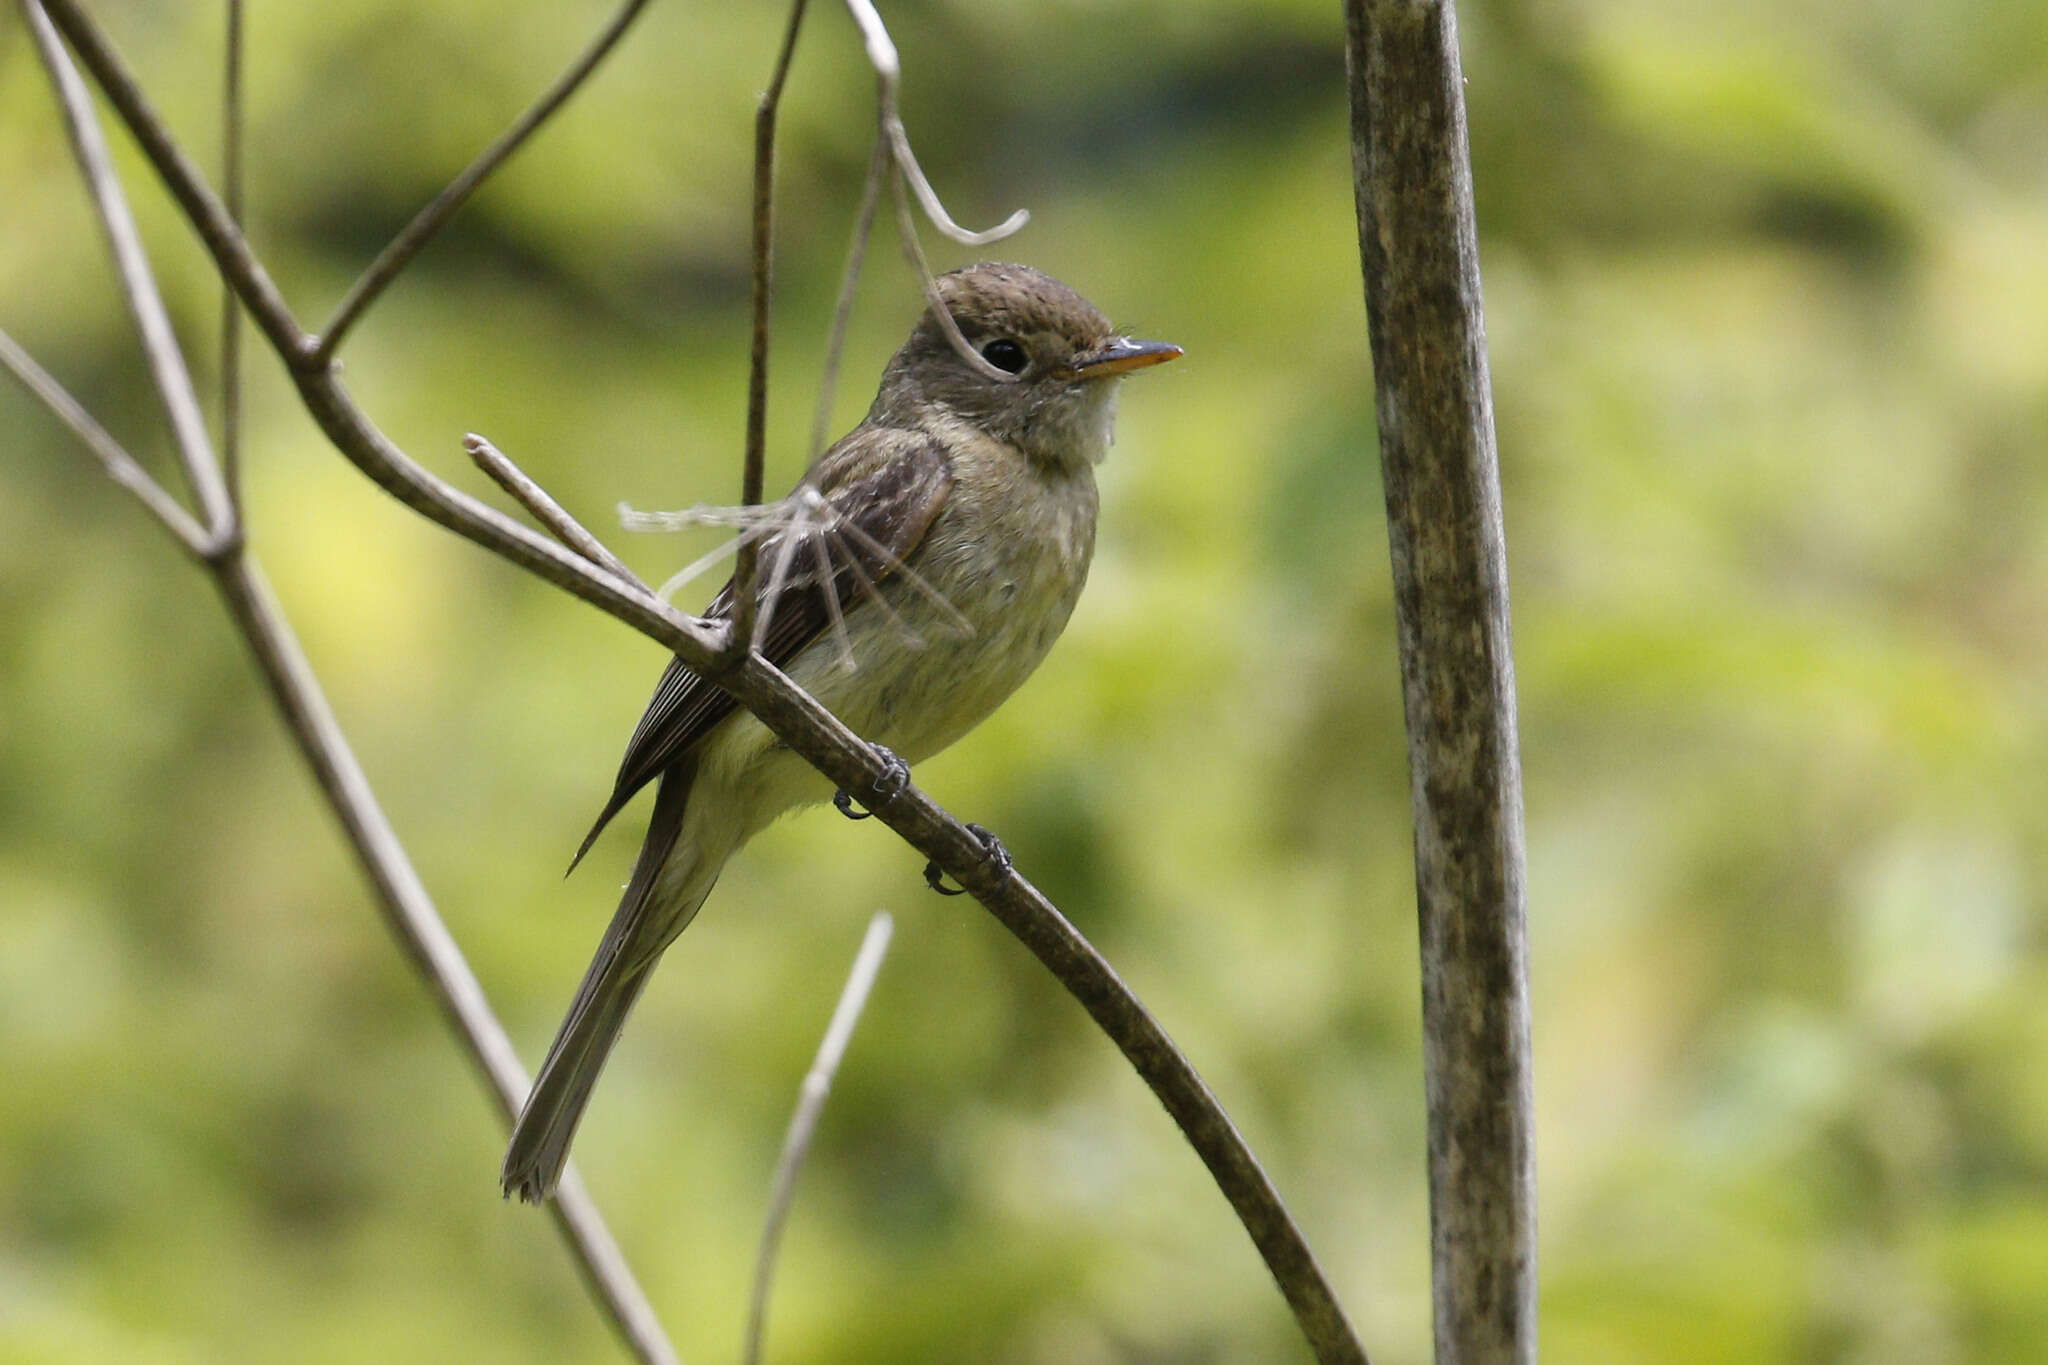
point(639, 930)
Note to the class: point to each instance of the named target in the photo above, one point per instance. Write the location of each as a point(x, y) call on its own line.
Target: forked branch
point(400, 895)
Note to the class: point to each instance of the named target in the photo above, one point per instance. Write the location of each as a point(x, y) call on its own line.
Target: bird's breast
point(1008, 556)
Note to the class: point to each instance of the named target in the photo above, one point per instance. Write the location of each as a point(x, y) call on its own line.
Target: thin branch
point(803, 1124)
point(913, 249)
point(410, 915)
point(408, 911)
point(545, 509)
point(215, 226)
point(744, 604)
point(431, 219)
point(120, 466)
point(927, 197)
point(794, 716)
point(888, 74)
point(230, 310)
point(138, 284)
point(849, 280)
point(1419, 252)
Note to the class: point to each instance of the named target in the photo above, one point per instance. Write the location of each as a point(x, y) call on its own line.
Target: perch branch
point(216, 227)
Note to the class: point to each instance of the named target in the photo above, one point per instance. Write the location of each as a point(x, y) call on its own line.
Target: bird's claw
point(895, 777)
point(992, 848)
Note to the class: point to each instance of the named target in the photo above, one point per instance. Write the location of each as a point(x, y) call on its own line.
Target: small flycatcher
point(914, 579)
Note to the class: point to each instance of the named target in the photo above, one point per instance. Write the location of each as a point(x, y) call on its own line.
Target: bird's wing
point(882, 488)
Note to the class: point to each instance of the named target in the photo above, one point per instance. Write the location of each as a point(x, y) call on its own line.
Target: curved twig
point(906, 227)
point(896, 142)
point(888, 75)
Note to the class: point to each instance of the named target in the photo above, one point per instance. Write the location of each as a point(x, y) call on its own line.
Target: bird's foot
point(895, 777)
point(935, 876)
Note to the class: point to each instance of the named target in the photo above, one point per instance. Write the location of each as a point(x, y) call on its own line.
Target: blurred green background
point(1767, 294)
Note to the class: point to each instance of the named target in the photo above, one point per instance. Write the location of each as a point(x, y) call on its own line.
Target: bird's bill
point(1121, 356)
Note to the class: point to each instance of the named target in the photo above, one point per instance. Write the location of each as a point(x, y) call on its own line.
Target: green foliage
point(1769, 326)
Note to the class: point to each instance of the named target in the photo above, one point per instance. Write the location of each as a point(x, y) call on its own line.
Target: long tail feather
point(632, 944)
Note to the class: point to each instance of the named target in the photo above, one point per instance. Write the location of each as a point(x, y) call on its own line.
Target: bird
point(913, 579)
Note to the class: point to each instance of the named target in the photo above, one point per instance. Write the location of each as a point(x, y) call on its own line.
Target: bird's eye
point(1006, 355)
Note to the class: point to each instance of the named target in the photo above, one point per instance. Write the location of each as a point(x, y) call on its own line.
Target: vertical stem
point(1419, 250)
point(747, 565)
point(856, 254)
point(230, 309)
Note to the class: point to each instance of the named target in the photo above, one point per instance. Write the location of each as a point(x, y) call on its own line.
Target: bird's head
point(1045, 368)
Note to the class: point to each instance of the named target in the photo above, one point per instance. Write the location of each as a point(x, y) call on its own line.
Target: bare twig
point(906, 227)
point(545, 509)
point(138, 284)
point(792, 714)
point(230, 310)
point(744, 602)
point(119, 464)
point(430, 220)
point(1420, 255)
point(888, 75)
point(817, 1087)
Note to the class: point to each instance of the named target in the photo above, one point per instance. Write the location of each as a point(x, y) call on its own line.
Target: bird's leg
point(935, 876)
point(895, 777)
